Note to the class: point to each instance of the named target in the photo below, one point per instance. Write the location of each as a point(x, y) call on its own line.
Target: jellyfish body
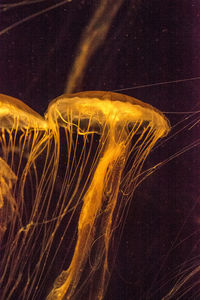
point(76, 170)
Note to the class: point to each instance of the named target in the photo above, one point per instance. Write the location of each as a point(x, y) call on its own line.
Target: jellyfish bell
point(15, 114)
point(102, 105)
point(84, 161)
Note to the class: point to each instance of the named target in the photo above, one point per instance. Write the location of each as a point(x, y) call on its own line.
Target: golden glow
point(70, 176)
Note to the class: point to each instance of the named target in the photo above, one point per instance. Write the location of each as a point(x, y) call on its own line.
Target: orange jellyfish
point(71, 175)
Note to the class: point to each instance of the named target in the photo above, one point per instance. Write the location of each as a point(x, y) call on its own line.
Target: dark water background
point(148, 42)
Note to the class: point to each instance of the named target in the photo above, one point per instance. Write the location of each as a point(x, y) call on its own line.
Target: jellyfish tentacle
point(7, 201)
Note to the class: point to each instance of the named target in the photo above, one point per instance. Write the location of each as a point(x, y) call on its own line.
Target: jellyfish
point(71, 174)
point(22, 132)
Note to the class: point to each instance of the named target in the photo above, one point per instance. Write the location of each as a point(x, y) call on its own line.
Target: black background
point(149, 42)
